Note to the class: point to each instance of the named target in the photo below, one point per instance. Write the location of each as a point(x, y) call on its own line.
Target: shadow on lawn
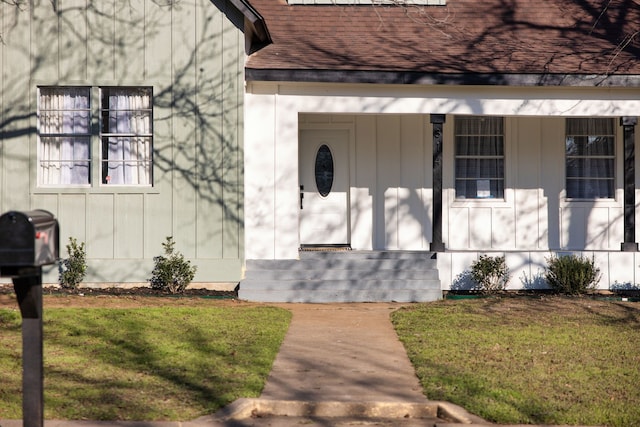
point(146, 368)
point(625, 314)
point(482, 399)
point(610, 310)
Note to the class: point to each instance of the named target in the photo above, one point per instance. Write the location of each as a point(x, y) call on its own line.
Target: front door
point(324, 187)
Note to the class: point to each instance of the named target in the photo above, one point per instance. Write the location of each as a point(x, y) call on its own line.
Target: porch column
point(628, 126)
point(437, 245)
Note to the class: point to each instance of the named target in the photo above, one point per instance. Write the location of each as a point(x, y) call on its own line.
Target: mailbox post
point(29, 240)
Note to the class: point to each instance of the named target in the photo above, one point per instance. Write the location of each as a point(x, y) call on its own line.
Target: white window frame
point(59, 122)
point(137, 137)
point(56, 163)
point(481, 194)
point(612, 157)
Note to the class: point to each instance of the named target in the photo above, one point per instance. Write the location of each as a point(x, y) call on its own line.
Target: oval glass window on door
point(324, 170)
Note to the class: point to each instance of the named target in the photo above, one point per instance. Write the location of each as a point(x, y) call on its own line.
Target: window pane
point(479, 125)
point(126, 136)
point(590, 158)
point(491, 145)
point(479, 189)
point(590, 168)
point(64, 127)
point(590, 188)
point(324, 170)
point(590, 146)
point(590, 126)
point(480, 168)
point(479, 151)
point(127, 160)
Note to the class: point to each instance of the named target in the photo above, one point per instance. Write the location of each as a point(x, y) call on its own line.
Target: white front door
point(324, 187)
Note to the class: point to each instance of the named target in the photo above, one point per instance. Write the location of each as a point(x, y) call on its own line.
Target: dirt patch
point(509, 304)
point(521, 307)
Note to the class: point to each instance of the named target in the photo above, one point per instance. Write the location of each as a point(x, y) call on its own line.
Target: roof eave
point(255, 28)
point(413, 77)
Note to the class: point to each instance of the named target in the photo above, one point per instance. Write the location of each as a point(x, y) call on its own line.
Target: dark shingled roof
point(482, 38)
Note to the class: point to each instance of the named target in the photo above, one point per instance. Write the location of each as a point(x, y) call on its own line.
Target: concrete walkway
point(346, 353)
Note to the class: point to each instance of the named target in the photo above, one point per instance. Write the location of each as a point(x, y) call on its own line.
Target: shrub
point(171, 272)
point(73, 269)
point(572, 274)
point(490, 273)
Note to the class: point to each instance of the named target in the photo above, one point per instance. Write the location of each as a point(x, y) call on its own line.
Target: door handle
point(301, 195)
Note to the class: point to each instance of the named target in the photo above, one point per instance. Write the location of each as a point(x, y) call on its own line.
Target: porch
point(400, 180)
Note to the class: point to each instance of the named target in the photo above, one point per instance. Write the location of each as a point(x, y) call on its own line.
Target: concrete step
point(346, 263)
point(341, 274)
point(367, 254)
point(332, 296)
point(339, 285)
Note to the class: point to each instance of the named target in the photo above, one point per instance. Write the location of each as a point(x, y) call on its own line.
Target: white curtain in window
point(64, 136)
point(129, 143)
point(590, 162)
point(479, 150)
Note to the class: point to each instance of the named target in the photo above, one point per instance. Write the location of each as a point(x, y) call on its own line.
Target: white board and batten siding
point(191, 55)
point(390, 161)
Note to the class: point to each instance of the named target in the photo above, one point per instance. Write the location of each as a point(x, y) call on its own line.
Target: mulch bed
point(7, 288)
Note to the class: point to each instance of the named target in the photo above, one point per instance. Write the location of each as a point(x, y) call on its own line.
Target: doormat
point(324, 248)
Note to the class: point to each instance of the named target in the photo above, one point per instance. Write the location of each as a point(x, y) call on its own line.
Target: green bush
point(490, 273)
point(73, 269)
point(171, 272)
point(572, 274)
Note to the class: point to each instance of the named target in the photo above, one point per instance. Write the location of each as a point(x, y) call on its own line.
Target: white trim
point(619, 269)
point(415, 99)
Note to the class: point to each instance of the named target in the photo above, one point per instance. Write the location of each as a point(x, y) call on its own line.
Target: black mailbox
point(28, 239)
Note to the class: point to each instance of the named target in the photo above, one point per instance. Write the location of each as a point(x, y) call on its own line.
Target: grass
point(159, 363)
point(529, 360)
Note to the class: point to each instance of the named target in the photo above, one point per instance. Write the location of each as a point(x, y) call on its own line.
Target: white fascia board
point(506, 101)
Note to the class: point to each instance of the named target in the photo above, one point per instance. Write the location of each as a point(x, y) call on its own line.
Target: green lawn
point(159, 363)
point(549, 360)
